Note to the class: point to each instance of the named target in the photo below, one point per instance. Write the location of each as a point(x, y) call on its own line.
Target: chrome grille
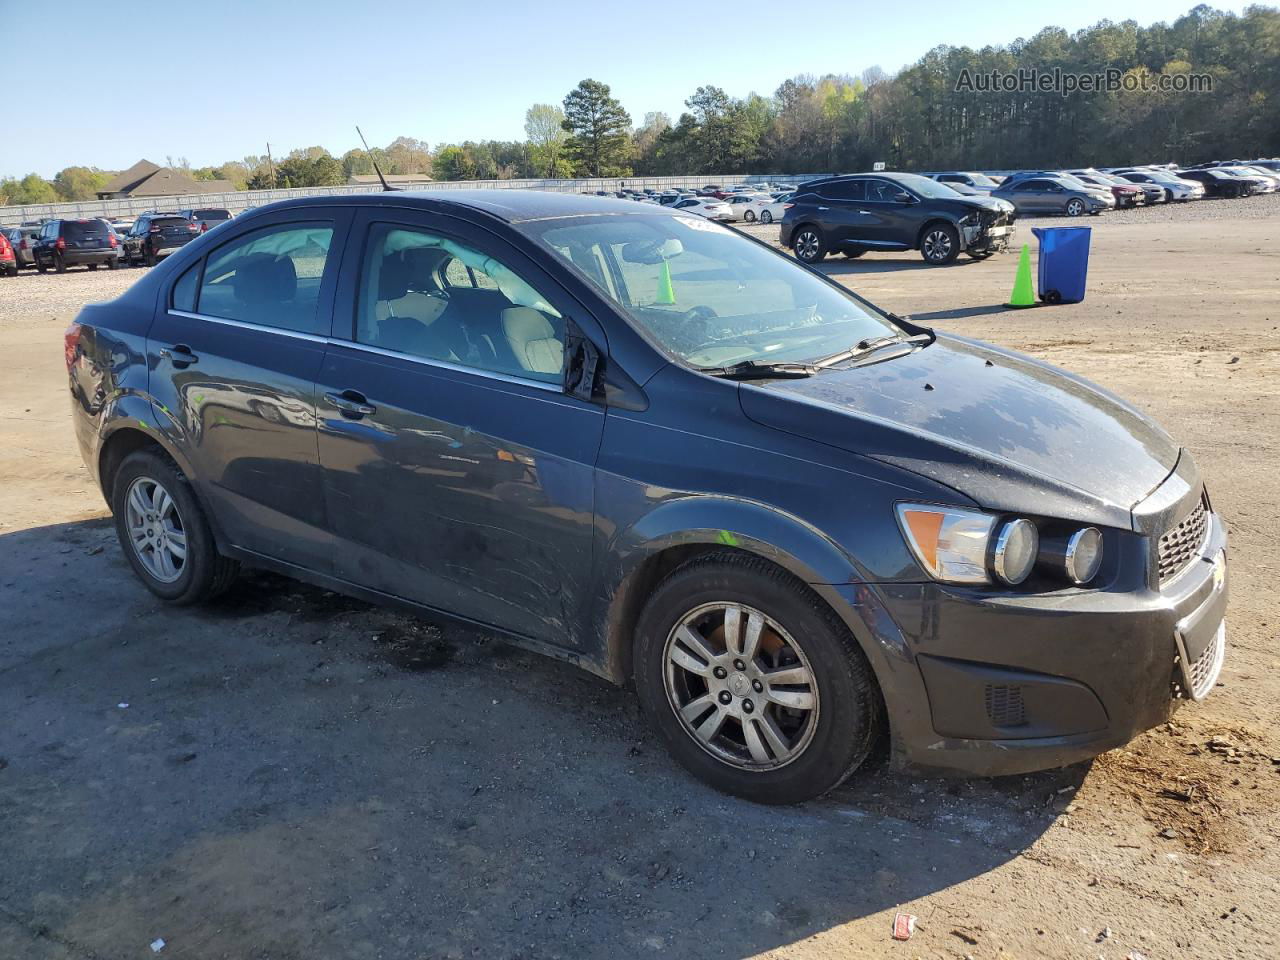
point(1181, 544)
point(1204, 672)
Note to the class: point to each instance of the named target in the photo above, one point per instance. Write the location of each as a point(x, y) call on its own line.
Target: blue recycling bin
point(1064, 262)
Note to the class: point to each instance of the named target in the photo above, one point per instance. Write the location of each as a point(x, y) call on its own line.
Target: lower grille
point(1181, 543)
point(1203, 674)
point(1004, 705)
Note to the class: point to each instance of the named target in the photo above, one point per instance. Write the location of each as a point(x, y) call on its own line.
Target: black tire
point(12, 269)
point(940, 244)
point(149, 258)
point(853, 253)
point(1074, 208)
point(980, 254)
point(849, 707)
point(113, 264)
point(749, 216)
point(59, 264)
point(205, 573)
point(809, 244)
point(92, 266)
point(41, 268)
point(766, 216)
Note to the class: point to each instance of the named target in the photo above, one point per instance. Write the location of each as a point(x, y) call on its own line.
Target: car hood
point(994, 204)
point(1008, 432)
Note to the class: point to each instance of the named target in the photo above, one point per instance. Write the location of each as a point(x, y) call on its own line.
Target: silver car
point(1175, 188)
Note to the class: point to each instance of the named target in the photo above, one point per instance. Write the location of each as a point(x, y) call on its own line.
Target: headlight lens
point(1084, 555)
point(1015, 551)
point(950, 544)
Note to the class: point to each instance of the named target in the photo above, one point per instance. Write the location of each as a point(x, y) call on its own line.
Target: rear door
point(458, 473)
point(842, 212)
point(234, 357)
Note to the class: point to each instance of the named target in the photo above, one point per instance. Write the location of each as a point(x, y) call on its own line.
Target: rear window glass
point(169, 222)
point(212, 215)
point(77, 230)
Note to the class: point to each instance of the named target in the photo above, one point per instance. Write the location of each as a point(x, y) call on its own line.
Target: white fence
point(241, 200)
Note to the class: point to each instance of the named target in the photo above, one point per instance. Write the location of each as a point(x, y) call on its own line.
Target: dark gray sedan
point(656, 448)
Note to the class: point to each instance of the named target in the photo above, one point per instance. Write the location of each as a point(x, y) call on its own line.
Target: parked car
point(665, 452)
point(979, 182)
point(1270, 180)
point(893, 211)
point(1053, 195)
point(708, 207)
point(156, 235)
point(1125, 194)
point(1219, 183)
point(1151, 193)
point(23, 241)
point(1175, 188)
point(8, 257)
point(749, 206)
point(775, 210)
point(206, 218)
point(72, 243)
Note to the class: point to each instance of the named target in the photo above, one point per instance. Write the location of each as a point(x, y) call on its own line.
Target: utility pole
point(271, 165)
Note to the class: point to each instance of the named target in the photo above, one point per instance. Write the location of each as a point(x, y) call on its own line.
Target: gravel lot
point(290, 774)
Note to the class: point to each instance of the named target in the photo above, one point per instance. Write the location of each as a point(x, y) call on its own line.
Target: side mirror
point(904, 197)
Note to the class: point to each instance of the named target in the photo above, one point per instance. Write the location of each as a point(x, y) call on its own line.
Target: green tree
point(452, 162)
point(79, 183)
point(30, 189)
point(544, 126)
point(599, 128)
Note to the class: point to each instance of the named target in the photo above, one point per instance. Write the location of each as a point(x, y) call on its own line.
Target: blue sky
point(232, 75)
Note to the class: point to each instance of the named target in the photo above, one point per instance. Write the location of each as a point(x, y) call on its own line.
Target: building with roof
point(146, 179)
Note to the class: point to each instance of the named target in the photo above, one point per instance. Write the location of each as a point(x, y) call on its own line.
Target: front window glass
point(708, 295)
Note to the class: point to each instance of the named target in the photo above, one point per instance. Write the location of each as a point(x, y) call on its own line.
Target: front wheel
point(753, 683)
point(164, 532)
point(1075, 207)
point(766, 216)
point(940, 244)
point(809, 245)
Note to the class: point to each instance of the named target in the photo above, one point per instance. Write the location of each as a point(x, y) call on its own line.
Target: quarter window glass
point(184, 291)
point(270, 277)
point(429, 296)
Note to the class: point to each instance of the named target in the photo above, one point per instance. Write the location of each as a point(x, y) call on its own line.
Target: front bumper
point(993, 236)
point(989, 684)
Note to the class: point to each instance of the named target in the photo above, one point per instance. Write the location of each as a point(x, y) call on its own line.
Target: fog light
point(1015, 551)
point(1083, 555)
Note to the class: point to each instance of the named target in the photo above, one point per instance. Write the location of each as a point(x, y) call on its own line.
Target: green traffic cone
point(666, 292)
point(1023, 293)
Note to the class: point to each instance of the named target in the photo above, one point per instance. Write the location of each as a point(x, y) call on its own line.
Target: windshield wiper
point(866, 347)
point(762, 370)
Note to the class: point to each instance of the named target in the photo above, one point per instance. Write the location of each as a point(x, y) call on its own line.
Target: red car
point(1126, 196)
point(8, 258)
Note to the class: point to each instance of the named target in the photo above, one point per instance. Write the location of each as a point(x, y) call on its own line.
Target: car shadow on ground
point(841, 266)
point(290, 773)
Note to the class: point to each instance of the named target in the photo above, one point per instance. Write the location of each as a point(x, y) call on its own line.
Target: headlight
point(967, 546)
point(1077, 556)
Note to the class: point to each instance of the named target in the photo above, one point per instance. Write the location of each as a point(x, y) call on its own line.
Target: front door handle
point(179, 355)
point(352, 403)
point(865, 213)
point(824, 208)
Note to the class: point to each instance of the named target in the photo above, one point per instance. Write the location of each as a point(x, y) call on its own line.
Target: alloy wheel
point(156, 531)
point(1075, 208)
point(937, 244)
point(741, 686)
point(807, 245)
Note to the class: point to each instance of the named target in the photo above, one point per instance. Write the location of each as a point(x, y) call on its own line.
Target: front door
point(458, 473)
point(234, 359)
point(843, 213)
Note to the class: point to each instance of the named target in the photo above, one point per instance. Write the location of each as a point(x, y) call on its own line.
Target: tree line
point(923, 117)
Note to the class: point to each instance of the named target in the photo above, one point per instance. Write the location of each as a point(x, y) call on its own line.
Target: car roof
point(513, 206)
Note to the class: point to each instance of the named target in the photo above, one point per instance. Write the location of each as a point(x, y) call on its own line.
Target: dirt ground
point(290, 774)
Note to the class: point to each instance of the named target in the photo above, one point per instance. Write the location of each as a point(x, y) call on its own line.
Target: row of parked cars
point(747, 202)
point(92, 242)
point(945, 214)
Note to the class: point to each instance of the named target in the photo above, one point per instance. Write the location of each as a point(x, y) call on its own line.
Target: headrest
point(523, 324)
point(393, 278)
point(265, 278)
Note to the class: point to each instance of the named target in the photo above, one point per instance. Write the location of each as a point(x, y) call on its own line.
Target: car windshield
point(924, 186)
point(981, 180)
point(708, 295)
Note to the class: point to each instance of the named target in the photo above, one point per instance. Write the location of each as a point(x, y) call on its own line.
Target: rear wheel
point(940, 244)
point(753, 682)
point(809, 244)
point(92, 266)
point(113, 264)
point(59, 264)
point(164, 532)
point(766, 216)
point(149, 258)
point(749, 216)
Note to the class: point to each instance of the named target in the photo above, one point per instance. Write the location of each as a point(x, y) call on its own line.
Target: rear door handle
point(352, 403)
point(179, 354)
